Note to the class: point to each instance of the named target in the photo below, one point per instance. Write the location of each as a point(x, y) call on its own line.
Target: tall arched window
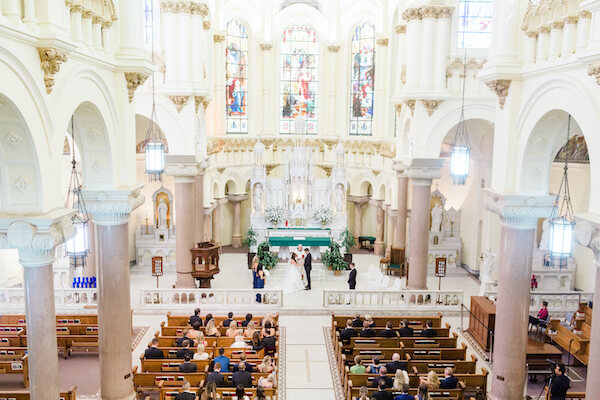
point(236, 70)
point(362, 80)
point(299, 78)
point(475, 24)
point(148, 21)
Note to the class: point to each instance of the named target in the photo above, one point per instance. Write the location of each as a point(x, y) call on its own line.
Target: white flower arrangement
point(323, 215)
point(275, 214)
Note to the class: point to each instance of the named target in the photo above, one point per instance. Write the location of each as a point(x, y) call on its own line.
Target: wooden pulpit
point(205, 263)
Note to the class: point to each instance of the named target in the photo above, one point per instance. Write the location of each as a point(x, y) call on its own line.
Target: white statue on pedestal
point(162, 214)
point(436, 218)
point(486, 274)
point(257, 198)
point(339, 199)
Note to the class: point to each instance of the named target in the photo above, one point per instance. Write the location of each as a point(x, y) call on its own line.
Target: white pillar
point(185, 43)
point(12, 10)
point(569, 36)
point(196, 49)
point(413, 46)
point(583, 29)
point(381, 103)
point(400, 63)
point(107, 37)
point(267, 78)
point(555, 39)
point(131, 33)
point(542, 45)
point(442, 47)
point(333, 51)
point(169, 22)
point(87, 28)
point(530, 47)
point(505, 35)
point(76, 23)
point(97, 32)
point(428, 35)
point(29, 11)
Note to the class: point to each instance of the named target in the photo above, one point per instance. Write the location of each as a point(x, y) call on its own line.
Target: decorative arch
point(169, 124)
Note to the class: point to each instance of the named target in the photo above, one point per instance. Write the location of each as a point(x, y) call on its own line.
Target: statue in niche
point(257, 198)
point(339, 199)
point(487, 266)
point(544, 242)
point(162, 211)
point(436, 218)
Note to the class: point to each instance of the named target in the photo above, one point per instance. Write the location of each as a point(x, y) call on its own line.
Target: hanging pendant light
point(562, 223)
point(77, 248)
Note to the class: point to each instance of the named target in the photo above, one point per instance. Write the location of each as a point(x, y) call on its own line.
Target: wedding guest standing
point(352, 277)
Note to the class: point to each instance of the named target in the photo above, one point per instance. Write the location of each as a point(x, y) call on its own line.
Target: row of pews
point(422, 354)
point(575, 341)
point(162, 376)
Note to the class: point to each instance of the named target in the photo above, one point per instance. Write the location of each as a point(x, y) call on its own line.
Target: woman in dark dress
point(260, 277)
point(254, 271)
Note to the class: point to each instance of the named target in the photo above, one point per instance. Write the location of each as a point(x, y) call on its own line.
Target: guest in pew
point(268, 319)
point(560, 383)
point(249, 367)
point(221, 359)
point(449, 381)
point(400, 379)
point(242, 377)
point(200, 353)
point(229, 320)
point(375, 366)
point(208, 318)
point(389, 331)
point(195, 319)
point(187, 394)
point(266, 366)
point(216, 376)
point(200, 339)
point(396, 364)
point(348, 332)
point(367, 331)
point(195, 331)
point(358, 367)
point(423, 393)
point(268, 382)
point(370, 320)
point(388, 382)
point(210, 392)
point(260, 392)
point(268, 342)
point(250, 329)
point(211, 329)
point(256, 339)
point(405, 331)
point(357, 322)
point(381, 394)
point(185, 336)
point(246, 321)
point(187, 366)
point(239, 343)
point(153, 352)
point(404, 393)
point(185, 351)
point(432, 381)
point(429, 331)
point(363, 393)
point(240, 394)
point(233, 330)
point(542, 317)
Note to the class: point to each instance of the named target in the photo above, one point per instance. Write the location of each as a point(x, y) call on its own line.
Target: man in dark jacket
point(181, 353)
point(187, 366)
point(367, 330)
point(560, 383)
point(449, 381)
point(389, 331)
point(241, 377)
point(187, 394)
point(352, 277)
point(348, 332)
point(429, 331)
point(388, 382)
point(406, 330)
point(216, 376)
point(195, 319)
point(395, 364)
point(153, 352)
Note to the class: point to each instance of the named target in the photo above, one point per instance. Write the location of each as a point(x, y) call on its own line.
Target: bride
point(293, 278)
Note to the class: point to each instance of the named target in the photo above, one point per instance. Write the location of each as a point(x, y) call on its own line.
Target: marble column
point(422, 172)
point(402, 181)
point(400, 59)
point(556, 29)
point(333, 51)
point(442, 46)
point(428, 35)
point(542, 45)
point(216, 221)
point(111, 211)
point(208, 224)
point(583, 29)
point(236, 229)
point(267, 56)
point(379, 247)
point(413, 46)
point(530, 46)
point(199, 208)
point(36, 240)
point(391, 229)
point(505, 37)
point(518, 221)
point(359, 202)
point(90, 263)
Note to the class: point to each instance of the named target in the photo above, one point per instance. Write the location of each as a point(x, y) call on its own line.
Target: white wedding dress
point(293, 279)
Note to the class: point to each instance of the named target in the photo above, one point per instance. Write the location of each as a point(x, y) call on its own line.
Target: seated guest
point(423, 392)
point(246, 321)
point(268, 319)
point(388, 331)
point(185, 336)
point(208, 318)
point(374, 367)
point(400, 379)
point(200, 353)
point(256, 339)
point(195, 331)
point(181, 353)
point(239, 343)
point(266, 366)
point(363, 393)
point(221, 359)
point(240, 393)
point(348, 332)
point(210, 392)
point(228, 321)
point(242, 377)
point(249, 367)
point(429, 331)
point(211, 329)
point(367, 330)
point(187, 394)
point(195, 319)
point(357, 322)
point(449, 381)
point(388, 382)
point(357, 368)
point(268, 342)
point(404, 393)
point(187, 366)
point(406, 331)
point(201, 339)
point(268, 382)
point(250, 329)
point(542, 316)
point(369, 319)
point(431, 380)
point(395, 364)
point(216, 376)
point(153, 352)
point(381, 394)
point(233, 330)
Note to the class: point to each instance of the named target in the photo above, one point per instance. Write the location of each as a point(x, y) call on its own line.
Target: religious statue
point(544, 242)
point(162, 214)
point(487, 267)
point(257, 198)
point(339, 199)
point(436, 218)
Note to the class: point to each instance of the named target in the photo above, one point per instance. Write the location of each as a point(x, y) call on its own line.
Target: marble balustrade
point(417, 300)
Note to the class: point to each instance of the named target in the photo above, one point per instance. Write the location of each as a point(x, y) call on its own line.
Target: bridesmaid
point(260, 277)
point(254, 272)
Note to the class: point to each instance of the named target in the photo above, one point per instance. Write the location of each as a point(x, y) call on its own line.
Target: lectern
point(205, 263)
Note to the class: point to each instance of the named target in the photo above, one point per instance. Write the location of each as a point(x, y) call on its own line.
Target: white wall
point(11, 272)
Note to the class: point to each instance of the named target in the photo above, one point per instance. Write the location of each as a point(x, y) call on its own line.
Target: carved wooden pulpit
point(205, 263)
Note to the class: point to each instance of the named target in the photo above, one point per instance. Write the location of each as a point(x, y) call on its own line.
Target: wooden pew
point(409, 353)
point(61, 319)
point(11, 352)
point(144, 382)
point(578, 345)
point(70, 395)
point(182, 320)
point(468, 380)
point(170, 365)
point(440, 332)
point(406, 342)
point(16, 365)
point(570, 395)
point(440, 394)
point(228, 393)
point(69, 343)
point(396, 321)
point(459, 367)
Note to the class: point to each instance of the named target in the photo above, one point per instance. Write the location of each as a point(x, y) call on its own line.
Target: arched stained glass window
point(148, 21)
point(236, 70)
point(362, 83)
point(475, 24)
point(299, 79)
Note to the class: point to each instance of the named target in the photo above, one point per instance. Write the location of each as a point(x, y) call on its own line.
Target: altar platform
point(286, 238)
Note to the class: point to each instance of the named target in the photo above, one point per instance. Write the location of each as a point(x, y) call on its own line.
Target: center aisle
point(307, 369)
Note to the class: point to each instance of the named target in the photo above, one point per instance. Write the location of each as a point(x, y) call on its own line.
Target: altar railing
point(558, 302)
point(421, 300)
point(210, 298)
point(13, 299)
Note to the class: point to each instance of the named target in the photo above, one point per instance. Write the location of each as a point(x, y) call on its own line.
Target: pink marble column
point(357, 220)
point(519, 216)
point(199, 209)
point(391, 229)
point(207, 224)
point(90, 262)
point(236, 230)
point(402, 181)
point(216, 223)
point(185, 233)
point(419, 234)
point(379, 247)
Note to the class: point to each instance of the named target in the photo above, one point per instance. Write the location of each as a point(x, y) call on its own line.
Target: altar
point(286, 238)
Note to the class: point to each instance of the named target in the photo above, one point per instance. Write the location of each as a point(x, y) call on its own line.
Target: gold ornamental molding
point(206, 24)
point(50, 61)
point(134, 80)
point(398, 107)
point(179, 102)
point(427, 12)
point(333, 48)
point(266, 46)
point(594, 70)
point(218, 38)
point(500, 87)
point(457, 65)
point(400, 29)
point(204, 100)
point(431, 105)
point(560, 15)
point(383, 42)
point(411, 104)
point(184, 7)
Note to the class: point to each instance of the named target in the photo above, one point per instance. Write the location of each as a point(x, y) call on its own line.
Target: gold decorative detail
point(398, 107)
point(429, 12)
point(400, 29)
point(376, 172)
point(411, 105)
point(184, 7)
point(266, 46)
point(219, 38)
point(431, 105)
point(500, 87)
point(220, 170)
point(557, 24)
point(86, 14)
point(50, 59)
point(585, 14)
point(594, 70)
point(533, 34)
point(383, 41)
point(269, 168)
point(134, 80)
point(333, 48)
point(327, 169)
point(267, 142)
point(77, 9)
point(330, 143)
point(445, 12)
point(411, 13)
point(206, 24)
point(204, 100)
point(179, 101)
point(571, 20)
point(545, 29)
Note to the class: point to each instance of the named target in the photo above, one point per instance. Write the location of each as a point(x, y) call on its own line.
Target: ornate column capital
point(134, 80)
point(400, 29)
point(204, 100)
point(500, 87)
point(113, 207)
point(206, 24)
point(411, 104)
point(179, 102)
point(383, 41)
point(50, 59)
point(423, 170)
point(236, 198)
point(218, 38)
point(183, 168)
point(266, 46)
point(358, 200)
point(431, 105)
point(400, 167)
point(594, 70)
point(36, 237)
point(411, 14)
point(587, 233)
point(332, 47)
point(519, 212)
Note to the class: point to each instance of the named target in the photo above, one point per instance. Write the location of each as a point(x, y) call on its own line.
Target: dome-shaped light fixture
point(561, 219)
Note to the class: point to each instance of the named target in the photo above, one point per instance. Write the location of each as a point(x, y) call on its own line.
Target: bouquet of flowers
point(323, 215)
point(275, 214)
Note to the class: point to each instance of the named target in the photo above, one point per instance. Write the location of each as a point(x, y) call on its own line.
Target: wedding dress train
point(293, 279)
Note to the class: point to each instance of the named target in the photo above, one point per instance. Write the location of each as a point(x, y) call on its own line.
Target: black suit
point(389, 382)
point(352, 279)
point(153, 353)
point(348, 333)
point(185, 396)
point(227, 322)
point(267, 342)
point(194, 319)
point(406, 331)
point(242, 378)
point(388, 333)
point(392, 366)
point(188, 367)
point(429, 332)
point(450, 382)
point(559, 387)
point(308, 268)
point(182, 352)
point(368, 333)
point(216, 377)
point(382, 395)
point(249, 367)
point(357, 323)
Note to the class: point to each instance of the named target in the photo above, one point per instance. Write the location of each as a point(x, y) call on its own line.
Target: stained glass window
point(236, 78)
point(148, 22)
point(299, 78)
point(363, 80)
point(475, 24)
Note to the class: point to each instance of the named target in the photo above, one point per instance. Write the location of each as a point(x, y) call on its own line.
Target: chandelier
point(561, 219)
point(77, 248)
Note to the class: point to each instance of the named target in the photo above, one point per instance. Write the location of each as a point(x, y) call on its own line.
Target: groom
point(307, 266)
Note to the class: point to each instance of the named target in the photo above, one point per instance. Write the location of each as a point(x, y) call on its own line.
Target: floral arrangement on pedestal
point(275, 214)
point(332, 258)
point(323, 215)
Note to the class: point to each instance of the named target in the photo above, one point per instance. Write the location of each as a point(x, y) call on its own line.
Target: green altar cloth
point(292, 241)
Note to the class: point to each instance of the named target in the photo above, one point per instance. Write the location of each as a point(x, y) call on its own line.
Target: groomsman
point(307, 267)
point(352, 277)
